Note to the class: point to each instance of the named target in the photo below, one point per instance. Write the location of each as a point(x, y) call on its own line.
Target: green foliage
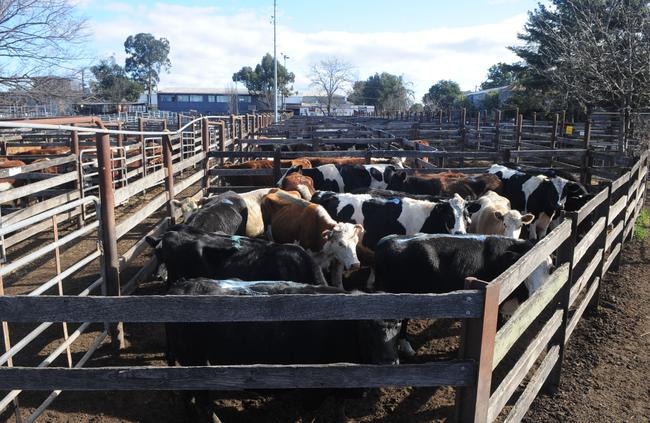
point(260, 81)
point(589, 53)
point(385, 91)
point(443, 94)
point(500, 75)
point(146, 58)
point(112, 84)
point(642, 225)
point(416, 108)
point(491, 102)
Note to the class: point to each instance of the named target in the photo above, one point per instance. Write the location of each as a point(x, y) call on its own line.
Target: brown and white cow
point(496, 217)
point(253, 200)
point(332, 244)
point(9, 183)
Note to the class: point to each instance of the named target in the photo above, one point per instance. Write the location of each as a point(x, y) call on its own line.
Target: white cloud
point(208, 46)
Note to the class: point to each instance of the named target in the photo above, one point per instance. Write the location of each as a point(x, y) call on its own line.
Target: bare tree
point(331, 76)
point(233, 99)
point(37, 37)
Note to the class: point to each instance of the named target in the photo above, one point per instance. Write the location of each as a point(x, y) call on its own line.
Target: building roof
point(199, 90)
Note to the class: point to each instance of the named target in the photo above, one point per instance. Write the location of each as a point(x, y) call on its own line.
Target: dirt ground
point(604, 379)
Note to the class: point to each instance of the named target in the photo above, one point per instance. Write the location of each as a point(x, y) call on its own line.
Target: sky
point(425, 41)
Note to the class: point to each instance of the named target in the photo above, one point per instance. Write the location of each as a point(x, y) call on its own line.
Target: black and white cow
point(227, 213)
point(387, 193)
point(386, 216)
point(346, 178)
point(440, 263)
point(539, 194)
point(287, 342)
point(188, 252)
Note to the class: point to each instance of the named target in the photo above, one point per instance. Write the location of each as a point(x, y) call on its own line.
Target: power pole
point(275, 63)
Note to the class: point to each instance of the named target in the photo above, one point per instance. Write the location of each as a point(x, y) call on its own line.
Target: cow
point(446, 184)
point(320, 161)
point(386, 193)
point(259, 180)
point(386, 216)
point(495, 217)
point(345, 178)
point(298, 182)
point(9, 183)
point(277, 342)
point(440, 263)
point(226, 212)
point(189, 252)
point(332, 244)
point(539, 194)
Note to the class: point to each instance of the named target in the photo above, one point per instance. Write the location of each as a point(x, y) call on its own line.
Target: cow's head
point(341, 242)
point(513, 221)
point(292, 169)
point(461, 220)
point(397, 181)
point(187, 206)
point(378, 341)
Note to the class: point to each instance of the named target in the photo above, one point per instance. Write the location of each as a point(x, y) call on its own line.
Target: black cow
point(386, 216)
point(440, 263)
point(288, 342)
point(539, 194)
point(388, 194)
point(346, 178)
point(188, 252)
point(225, 213)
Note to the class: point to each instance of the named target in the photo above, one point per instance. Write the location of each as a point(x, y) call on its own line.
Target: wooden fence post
point(277, 164)
point(477, 343)
point(564, 255)
point(601, 241)
point(518, 134)
point(110, 260)
point(497, 129)
point(169, 175)
point(205, 144)
point(586, 171)
point(221, 129)
point(554, 136)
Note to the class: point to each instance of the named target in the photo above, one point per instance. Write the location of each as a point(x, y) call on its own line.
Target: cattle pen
point(89, 203)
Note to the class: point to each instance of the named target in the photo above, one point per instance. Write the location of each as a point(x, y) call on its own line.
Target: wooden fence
point(491, 365)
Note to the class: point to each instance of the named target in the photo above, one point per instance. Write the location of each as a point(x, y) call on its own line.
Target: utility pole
point(275, 62)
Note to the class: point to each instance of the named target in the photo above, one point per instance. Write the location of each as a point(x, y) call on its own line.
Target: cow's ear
point(473, 207)
point(527, 218)
point(358, 229)
point(177, 203)
point(326, 234)
point(153, 241)
point(498, 215)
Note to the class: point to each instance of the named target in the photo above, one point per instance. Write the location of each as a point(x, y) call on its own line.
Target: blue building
point(209, 100)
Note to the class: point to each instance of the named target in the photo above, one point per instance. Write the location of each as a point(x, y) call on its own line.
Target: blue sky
point(423, 40)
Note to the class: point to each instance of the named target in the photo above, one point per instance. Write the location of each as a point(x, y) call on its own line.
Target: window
point(212, 99)
point(165, 98)
point(244, 99)
point(222, 99)
point(183, 98)
point(196, 98)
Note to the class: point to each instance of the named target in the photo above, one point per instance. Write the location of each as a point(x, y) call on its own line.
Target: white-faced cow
point(440, 263)
point(386, 216)
point(346, 178)
point(333, 244)
point(495, 217)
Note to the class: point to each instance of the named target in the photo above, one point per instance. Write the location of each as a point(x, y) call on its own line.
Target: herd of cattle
point(326, 227)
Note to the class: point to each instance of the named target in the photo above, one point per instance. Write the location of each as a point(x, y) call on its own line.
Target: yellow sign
point(569, 130)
